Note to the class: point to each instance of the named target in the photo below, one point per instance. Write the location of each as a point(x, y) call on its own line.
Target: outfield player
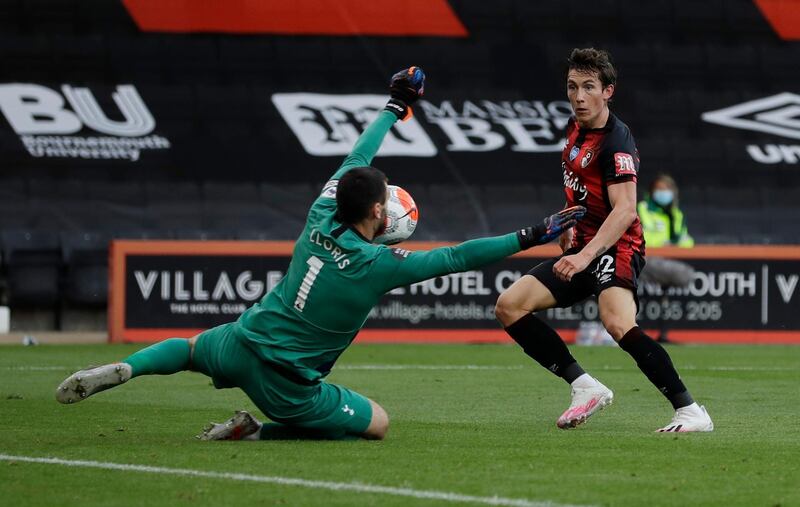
point(280, 350)
point(603, 255)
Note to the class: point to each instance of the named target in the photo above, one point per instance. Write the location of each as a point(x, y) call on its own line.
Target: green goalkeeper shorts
point(330, 410)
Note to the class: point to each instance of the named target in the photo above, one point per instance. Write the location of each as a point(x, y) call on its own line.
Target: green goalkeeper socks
point(163, 358)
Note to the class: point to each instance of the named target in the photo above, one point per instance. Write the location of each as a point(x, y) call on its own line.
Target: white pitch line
point(35, 368)
point(425, 367)
point(291, 481)
point(454, 367)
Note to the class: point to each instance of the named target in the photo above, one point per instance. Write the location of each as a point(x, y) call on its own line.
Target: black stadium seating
point(236, 170)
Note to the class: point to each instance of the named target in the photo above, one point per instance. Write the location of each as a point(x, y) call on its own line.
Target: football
point(401, 217)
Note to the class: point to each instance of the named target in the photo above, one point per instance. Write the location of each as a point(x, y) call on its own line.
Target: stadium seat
point(734, 63)
point(649, 21)
point(744, 23)
point(13, 190)
point(670, 107)
point(291, 199)
point(86, 259)
point(142, 55)
point(83, 58)
point(174, 215)
point(700, 18)
point(50, 189)
point(117, 192)
point(34, 261)
point(227, 192)
point(203, 235)
point(779, 63)
point(169, 102)
point(456, 212)
point(156, 191)
point(15, 215)
point(246, 59)
point(551, 197)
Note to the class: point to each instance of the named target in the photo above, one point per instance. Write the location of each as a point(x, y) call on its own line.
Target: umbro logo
point(778, 114)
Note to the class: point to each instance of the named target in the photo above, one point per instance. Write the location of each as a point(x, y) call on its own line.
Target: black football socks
point(655, 363)
point(542, 343)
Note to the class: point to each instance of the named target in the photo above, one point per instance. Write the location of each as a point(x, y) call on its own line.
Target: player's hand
point(405, 88)
point(570, 265)
point(554, 225)
point(551, 227)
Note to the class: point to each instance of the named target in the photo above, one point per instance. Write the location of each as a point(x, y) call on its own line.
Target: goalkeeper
point(281, 349)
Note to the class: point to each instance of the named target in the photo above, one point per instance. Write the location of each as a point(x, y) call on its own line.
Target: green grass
point(481, 432)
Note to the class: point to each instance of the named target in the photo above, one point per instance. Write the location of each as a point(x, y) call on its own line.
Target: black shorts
point(615, 268)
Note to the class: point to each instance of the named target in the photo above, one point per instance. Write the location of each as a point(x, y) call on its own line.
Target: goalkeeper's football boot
point(84, 383)
point(686, 419)
point(585, 402)
point(238, 427)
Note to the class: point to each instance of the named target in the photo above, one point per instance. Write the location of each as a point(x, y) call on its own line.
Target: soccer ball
point(401, 217)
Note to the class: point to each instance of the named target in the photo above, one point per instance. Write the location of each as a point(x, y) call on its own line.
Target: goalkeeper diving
point(281, 349)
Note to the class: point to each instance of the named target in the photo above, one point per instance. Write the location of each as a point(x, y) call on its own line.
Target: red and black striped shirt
point(592, 160)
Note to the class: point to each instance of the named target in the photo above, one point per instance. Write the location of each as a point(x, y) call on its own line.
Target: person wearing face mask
point(663, 222)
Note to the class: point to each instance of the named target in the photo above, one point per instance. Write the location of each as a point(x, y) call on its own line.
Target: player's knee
point(507, 309)
point(379, 424)
point(616, 326)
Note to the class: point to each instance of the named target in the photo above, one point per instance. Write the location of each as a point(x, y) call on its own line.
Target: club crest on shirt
point(573, 153)
point(587, 157)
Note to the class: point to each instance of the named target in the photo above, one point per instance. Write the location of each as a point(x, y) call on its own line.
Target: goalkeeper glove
point(405, 88)
point(550, 228)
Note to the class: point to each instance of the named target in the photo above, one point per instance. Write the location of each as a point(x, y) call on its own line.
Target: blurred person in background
point(662, 220)
point(663, 224)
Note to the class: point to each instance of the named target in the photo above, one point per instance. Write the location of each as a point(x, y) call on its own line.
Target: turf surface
point(484, 430)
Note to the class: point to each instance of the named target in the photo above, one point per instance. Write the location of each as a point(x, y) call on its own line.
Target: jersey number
point(314, 267)
point(605, 268)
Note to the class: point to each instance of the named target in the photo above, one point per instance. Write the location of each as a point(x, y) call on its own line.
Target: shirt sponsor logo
point(329, 190)
point(572, 181)
point(776, 115)
point(623, 163)
point(331, 124)
point(46, 126)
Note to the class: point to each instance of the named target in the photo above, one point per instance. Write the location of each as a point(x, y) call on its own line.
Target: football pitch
point(470, 425)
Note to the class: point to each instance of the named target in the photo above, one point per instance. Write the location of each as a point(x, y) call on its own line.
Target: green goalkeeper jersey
point(336, 276)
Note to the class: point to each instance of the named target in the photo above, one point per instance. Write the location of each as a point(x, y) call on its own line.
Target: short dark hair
point(593, 60)
point(358, 190)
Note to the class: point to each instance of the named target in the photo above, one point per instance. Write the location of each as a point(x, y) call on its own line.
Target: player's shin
point(542, 343)
point(657, 366)
point(163, 358)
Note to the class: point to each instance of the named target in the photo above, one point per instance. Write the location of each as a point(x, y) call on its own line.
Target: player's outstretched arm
point(403, 268)
point(405, 88)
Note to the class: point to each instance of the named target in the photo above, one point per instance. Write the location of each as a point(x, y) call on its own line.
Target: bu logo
point(34, 109)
